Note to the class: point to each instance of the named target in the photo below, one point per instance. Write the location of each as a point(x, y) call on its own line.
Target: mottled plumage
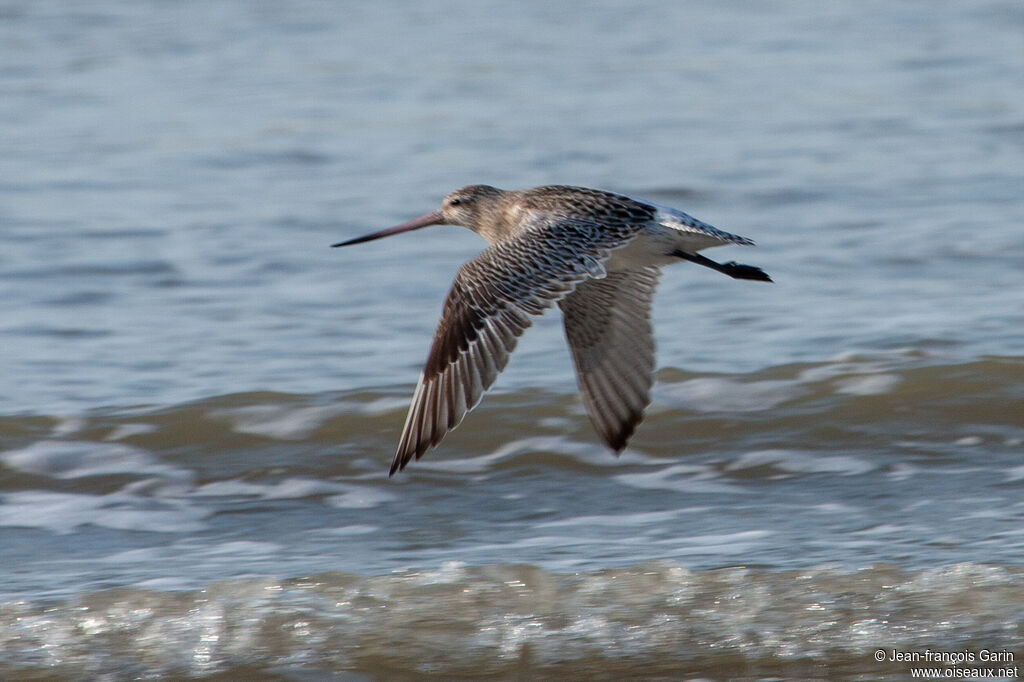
point(597, 254)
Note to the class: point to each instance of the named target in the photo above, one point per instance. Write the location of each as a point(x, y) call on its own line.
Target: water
point(199, 399)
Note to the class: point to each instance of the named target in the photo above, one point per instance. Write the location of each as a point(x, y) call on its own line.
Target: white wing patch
point(696, 230)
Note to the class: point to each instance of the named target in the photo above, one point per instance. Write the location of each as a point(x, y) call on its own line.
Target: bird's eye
point(455, 201)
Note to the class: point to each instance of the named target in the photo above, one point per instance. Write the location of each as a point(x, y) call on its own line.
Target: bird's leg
point(732, 268)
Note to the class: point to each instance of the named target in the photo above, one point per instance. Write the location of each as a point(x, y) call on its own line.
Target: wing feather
point(608, 326)
point(490, 305)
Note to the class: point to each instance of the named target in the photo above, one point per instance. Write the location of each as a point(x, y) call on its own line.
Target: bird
point(595, 253)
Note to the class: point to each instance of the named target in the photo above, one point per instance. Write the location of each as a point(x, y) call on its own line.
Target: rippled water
point(199, 399)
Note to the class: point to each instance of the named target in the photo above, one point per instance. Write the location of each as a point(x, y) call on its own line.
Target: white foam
point(555, 423)
point(165, 584)
point(795, 461)
point(986, 514)
point(360, 497)
point(294, 488)
point(354, 529)
point(720, 394)
point(287, 422)
point(833, 508)
point(449, 572)
point(901, 471)
point(242, 548)
point(128, 430)
point(63, 512)
point(685, 478)
point(1015, 473)
point(867, 384)
point(533, 542)
point(76, 459)
point(883, 529)
point(287, 489)
point(589, 452)
point(372, 408)
point(854, 362)
point(144, 555)
point(718, 543)
point(68, 425)
point(614, 520)
point(281, 422)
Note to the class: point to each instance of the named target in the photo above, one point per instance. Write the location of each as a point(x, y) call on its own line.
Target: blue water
point(199, 398)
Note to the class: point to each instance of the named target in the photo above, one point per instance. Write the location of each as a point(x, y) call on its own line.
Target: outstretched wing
point(608, 325)
point(489, 306)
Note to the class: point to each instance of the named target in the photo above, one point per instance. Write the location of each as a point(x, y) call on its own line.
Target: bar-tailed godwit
point(597, 254)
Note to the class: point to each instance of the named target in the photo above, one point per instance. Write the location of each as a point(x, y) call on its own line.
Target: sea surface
point(199, 399)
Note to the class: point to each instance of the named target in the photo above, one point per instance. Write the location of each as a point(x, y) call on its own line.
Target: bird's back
point(587, 204)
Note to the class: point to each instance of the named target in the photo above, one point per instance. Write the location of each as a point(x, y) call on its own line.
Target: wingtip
point(397, 465)
point(404, 456)
point(620, 441)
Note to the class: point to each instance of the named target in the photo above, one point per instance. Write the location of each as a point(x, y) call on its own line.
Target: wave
point(650, 621)
point(783, 523)
point(848, 398)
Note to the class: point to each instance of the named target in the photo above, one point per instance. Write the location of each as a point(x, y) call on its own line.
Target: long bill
point(435, 218)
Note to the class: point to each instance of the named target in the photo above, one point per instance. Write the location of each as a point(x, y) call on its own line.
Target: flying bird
point(595, 253)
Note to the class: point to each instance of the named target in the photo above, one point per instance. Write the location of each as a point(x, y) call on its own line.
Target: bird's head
point(467, 207)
